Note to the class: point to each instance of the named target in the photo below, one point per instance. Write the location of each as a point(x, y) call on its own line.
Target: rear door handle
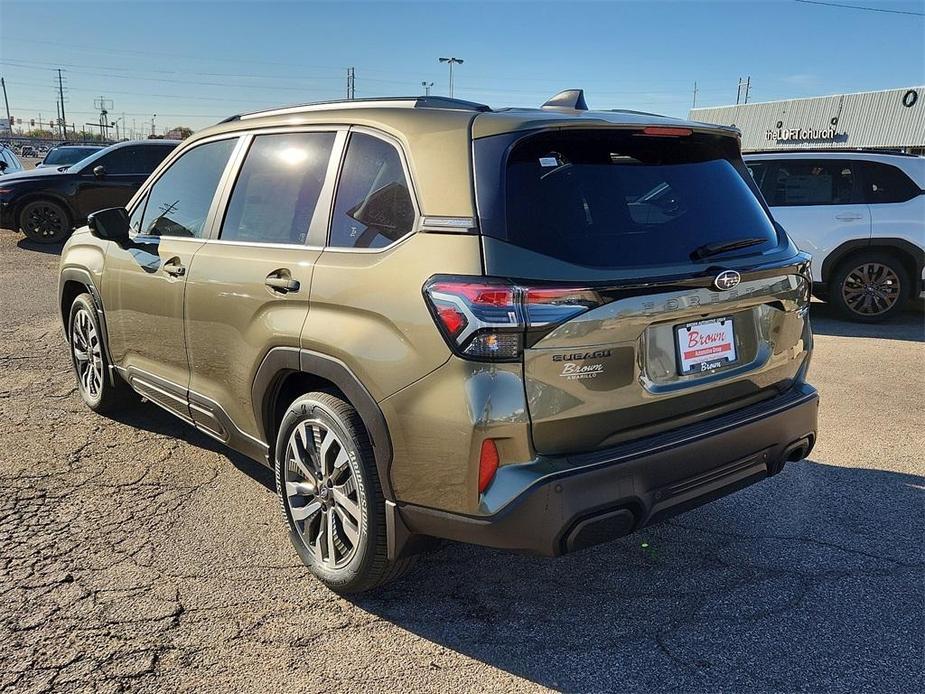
point(280, 281)
point(174, 268)
point(848, 217)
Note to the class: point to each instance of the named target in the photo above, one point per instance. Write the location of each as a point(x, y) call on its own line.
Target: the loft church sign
point(782, 134)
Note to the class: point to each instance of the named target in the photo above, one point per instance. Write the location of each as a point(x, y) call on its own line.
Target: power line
point(861, 7)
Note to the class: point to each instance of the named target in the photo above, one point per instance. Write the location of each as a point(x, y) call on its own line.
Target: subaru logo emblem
point(727, 279)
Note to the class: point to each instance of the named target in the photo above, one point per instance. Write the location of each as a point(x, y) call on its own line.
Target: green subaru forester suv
point(531, 329)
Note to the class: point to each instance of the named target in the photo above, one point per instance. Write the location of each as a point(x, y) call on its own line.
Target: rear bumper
point(579, 501)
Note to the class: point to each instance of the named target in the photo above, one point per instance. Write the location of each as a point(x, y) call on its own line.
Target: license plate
point(705, 345)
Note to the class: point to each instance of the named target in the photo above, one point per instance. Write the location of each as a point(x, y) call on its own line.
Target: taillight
point(489, 319)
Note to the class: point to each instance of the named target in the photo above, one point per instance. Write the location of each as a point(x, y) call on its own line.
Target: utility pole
point(103, 105)
point(427, 86)
point(134, 132)
point(351, 83)
point(694, 101)
point(451, 62)
point(61, 96)
point(9, 121)
point(153, 116)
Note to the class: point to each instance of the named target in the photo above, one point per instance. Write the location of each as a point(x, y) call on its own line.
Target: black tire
point(92, 369)
point(870, 287)
point(44, 221)
point(342, 564)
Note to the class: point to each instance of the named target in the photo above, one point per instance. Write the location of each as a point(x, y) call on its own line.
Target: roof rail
point(379, 102)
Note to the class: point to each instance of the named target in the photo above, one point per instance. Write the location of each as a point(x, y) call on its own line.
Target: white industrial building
point(892, 119)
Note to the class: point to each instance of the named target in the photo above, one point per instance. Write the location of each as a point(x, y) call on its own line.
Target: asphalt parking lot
point(138, 555)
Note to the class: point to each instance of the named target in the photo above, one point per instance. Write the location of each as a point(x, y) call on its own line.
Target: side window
point(813, 182)
point(179, 201)
point(148, 158)
point(885, 183)
point(133, 160)
point(373, 204)
point(119, 161)
point(278, 188)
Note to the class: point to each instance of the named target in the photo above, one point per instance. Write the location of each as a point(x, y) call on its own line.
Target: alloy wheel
point(44, 221)
point(88, 358)
point(322, 494)
point(871, 289)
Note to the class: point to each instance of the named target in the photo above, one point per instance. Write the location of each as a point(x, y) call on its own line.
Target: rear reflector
point(488, 464)
point(488, 319)
point(661, 131)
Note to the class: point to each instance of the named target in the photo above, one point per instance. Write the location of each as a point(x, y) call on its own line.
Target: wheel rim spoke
point(331, 557)
point(351, 529)
point(344, 502)
point(306, 512)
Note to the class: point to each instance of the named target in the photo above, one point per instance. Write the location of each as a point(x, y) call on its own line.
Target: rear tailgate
point(680, 298)
point(615, 372)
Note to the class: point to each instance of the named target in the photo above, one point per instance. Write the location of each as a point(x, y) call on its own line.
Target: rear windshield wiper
point(709, 249)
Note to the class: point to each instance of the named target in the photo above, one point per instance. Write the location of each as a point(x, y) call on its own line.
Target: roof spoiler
point(568, 100)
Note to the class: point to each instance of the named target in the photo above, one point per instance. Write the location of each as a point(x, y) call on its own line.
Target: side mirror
point(111, 224)
point(99, 171)
point(3, 165)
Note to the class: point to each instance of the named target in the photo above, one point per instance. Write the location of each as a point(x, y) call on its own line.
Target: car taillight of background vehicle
point(488, 319)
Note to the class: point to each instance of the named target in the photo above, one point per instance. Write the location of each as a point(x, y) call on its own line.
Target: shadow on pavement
point(149, 417)
point(908, 325)
point(809, 581)
point(49, 248)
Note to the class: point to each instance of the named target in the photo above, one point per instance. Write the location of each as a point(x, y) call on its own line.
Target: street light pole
point(427, 86)
point(451, 62)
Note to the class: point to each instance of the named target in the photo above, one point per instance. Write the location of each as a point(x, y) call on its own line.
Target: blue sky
point(193, 63)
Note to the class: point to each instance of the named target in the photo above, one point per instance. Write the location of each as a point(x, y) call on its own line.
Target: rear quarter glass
point(612, 200)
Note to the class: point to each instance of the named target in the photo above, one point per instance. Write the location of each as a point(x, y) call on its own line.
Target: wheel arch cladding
point(72, 282)
point(287, 365)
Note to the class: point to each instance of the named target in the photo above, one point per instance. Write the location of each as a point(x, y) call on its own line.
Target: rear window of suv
point(623, 199)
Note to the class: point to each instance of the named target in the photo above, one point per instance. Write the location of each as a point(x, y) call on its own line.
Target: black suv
point(47, 204)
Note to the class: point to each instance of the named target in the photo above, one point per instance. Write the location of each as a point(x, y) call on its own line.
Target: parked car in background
point(9, 162)
point(46, 204)
point(27, 151)
point(648, 358)
point(861, 215)
point(66, 155)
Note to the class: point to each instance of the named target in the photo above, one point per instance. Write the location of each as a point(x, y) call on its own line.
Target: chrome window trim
point(444, 223)
point(406, 169)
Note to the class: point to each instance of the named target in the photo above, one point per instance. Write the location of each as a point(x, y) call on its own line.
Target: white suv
point(861, 215)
